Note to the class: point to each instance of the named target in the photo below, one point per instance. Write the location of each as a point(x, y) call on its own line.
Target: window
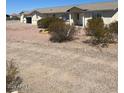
point(96, 15)
point(54, 15)
point(65, 17)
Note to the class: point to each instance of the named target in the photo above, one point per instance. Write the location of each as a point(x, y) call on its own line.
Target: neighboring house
point(15, 16)
point(77, 15)
point(7, 17)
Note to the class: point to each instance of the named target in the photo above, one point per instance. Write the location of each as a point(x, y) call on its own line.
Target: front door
point(76, 19)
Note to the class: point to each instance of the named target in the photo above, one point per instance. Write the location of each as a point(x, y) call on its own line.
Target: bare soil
point(69, 67)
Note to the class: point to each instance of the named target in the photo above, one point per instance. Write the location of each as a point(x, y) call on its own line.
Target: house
point(15, 16)
point(7, 16)
point(77, 15)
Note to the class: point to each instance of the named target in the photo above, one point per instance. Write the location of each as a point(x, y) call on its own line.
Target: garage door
point(28, 20)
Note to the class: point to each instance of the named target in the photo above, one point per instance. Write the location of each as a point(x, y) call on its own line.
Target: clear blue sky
point(16, 6)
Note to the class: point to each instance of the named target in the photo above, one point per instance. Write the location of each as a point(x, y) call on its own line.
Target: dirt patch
point(71, 67)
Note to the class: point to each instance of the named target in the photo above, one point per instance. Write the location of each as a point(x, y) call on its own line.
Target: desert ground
point(69, 67)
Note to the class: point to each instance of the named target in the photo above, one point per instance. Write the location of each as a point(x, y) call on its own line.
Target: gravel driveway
point(70, 67)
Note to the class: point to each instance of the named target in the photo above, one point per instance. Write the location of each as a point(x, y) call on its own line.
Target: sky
point(16, 6)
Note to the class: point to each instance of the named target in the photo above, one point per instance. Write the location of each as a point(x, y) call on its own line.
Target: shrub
point(100, 33)
point(113, 27)
point(12, 79)
point(45, 22)
point(93, 25)
point(61, 32)
point(112, 32)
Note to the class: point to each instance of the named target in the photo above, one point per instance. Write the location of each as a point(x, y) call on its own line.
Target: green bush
point(100, 33)
point(45, 22)
point(61, 32)
point(13, 81)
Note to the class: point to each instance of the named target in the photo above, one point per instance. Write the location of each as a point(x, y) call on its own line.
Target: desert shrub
point(45, 22)
point(113, 27)
point(61, 32)
point(93, 25)
point(95, 28)
point(112, 32)
point(100, 33)
point(13, 81)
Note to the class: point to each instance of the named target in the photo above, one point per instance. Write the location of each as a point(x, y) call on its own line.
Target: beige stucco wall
point(35, 18)
point(86, 20)
point(112, 16)
point(107, 20)
point(59, 15)
point(108, 17)
point(70, 19)
point(115, 17)
point(22, 19)
point(86, 16)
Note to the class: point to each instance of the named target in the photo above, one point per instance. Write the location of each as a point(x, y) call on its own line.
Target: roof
point(26, 12)
point(54, 10)
point(88, 7)
point(14, 14)
point(100, 6)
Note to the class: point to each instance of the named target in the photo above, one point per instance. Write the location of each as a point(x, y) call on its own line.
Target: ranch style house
point(77, 15)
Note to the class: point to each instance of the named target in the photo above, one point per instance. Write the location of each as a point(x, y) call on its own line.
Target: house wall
point(35, 18)
point(108, 17)
point(87, 16)
point(23, 19)
point(71, 21)
point(64, 16)
point(107, 20)
point(59, 15)
point(115, 17)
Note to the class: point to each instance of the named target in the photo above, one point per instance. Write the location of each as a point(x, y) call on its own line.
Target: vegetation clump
point(61, 32)
point(13, 80)
point(45, 22)
point(101, 34)
point(113, 27)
